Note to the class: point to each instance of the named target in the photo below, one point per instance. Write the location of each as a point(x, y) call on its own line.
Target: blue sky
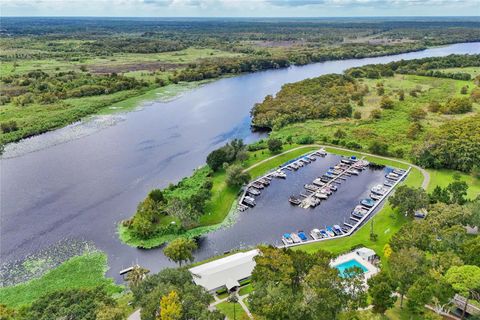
point(240, 8)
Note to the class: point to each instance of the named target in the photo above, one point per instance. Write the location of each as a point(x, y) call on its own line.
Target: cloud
point(369, 3)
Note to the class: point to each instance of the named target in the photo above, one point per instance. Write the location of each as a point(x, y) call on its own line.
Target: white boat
point(379, 189)
point(295, 238)
point(315, 234)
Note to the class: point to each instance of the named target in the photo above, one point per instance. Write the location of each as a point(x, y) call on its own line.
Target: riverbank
point(57, 115)
point(221, 207)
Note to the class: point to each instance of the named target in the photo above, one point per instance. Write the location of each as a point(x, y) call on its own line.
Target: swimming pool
point(348, 265)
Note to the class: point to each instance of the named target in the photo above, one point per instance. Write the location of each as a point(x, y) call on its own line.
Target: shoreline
point(144, 96)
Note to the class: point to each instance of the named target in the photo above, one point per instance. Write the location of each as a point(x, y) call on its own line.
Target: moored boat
point(367, 202)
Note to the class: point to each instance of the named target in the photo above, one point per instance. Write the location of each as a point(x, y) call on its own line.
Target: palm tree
point(136, 275)
point(233, 299)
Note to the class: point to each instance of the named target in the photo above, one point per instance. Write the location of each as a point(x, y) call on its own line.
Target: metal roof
point(225, 271)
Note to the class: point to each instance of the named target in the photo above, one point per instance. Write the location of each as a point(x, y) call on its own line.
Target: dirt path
point(426, 175)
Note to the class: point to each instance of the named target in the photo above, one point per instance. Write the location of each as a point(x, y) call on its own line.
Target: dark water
point(274, 215)
point(81, 188)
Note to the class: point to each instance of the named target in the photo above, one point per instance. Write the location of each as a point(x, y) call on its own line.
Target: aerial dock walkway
point(358, 224)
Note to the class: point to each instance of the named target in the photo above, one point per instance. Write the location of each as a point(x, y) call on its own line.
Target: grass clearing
point(227, 308)
point(443, 177)
point(85, 271)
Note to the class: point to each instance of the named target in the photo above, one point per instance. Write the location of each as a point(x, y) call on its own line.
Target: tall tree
point(170, 307)
point(136, 275)
point(408, 199)
point(236, 176)
point(381, 288)
point(180, 250)
point(406, 265)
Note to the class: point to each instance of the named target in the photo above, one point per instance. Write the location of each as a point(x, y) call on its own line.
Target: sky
point(239, 8)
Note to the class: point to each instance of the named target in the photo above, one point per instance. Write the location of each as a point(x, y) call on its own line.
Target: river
point(79, 186)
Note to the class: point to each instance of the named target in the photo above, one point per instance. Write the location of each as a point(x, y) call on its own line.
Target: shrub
point(386, 103)
point(305, 140)
point(378, 147)
point(357, 115)
point(376, 114)
point(9, 126)
point(417, 114)
point(274, 145)
point(434, 106)
point(464, 90)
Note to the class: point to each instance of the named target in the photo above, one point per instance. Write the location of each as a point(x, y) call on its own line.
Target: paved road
point(426, 175)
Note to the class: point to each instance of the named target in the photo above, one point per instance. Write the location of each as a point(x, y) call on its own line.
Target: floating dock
point(353, 228)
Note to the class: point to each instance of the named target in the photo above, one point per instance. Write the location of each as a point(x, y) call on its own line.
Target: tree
point(387, 250)
point(408, 199)
point(386, 103)
point(406, 266)
point(439, 195)
point(401, 95)
point(170, 307)
point(381, 288)
point(142, 224)
point(236, 176)
point(465, 280)
point(194, 299)
point(458, 191)
point(471, 251)
point(323, 292)
point(419, 294)
point(216, 158)
point(357, 115)
point(233, 299)
point(136, 275)
point(69, 304)
point(179, 209)
point(274, 145)
point(180, 250)
point(464, 90)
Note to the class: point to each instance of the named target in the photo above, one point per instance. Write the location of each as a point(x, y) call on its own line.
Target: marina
point(327, 183)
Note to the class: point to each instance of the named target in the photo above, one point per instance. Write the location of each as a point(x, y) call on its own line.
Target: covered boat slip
point(225, 272)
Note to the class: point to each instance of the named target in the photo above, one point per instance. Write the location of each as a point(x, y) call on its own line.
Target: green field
point(443, 177)
point(227, 309)
point(393, 126)
point(84, 271)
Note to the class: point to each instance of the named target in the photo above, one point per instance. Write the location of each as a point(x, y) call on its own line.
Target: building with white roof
point(225, 272)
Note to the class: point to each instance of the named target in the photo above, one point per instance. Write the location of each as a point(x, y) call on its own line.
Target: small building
point(225, 272)
point(366, 254)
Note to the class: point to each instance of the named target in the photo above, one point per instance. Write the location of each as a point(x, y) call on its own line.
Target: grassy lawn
point(227, 309)
point(443, 177)
point(245, 290)
point(84, 271)
point(275, 162)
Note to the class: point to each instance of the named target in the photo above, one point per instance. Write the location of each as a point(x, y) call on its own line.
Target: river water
point(79, 182)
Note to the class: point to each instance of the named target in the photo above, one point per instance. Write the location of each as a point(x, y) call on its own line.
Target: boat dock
point(312, 199)
point(352, 228)
point(255, 187)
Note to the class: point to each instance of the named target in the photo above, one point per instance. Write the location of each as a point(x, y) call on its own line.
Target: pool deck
point(371, 269)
